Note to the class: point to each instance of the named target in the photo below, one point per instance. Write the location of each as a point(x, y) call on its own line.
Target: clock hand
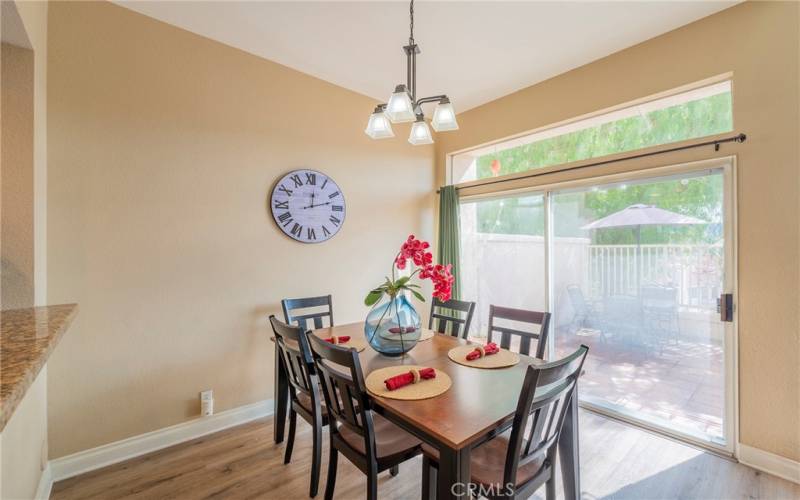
point(312, 201)
point(318, 205)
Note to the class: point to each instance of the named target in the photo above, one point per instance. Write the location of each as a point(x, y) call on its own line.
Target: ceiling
point(473, 51)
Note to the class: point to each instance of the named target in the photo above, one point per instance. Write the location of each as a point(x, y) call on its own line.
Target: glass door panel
point(637, 268)
point(503, 255)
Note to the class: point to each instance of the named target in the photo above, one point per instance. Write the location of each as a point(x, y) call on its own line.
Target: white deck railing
point(694, 270)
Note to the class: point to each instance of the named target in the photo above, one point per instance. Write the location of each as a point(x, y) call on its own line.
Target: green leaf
point(413, 286)
point(402, 281)
point(418, 295)
point(373, 297)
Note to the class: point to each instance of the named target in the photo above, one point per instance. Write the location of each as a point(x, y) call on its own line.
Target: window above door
point(700, 112)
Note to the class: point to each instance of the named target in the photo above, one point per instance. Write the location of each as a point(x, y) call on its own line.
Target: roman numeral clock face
point(308, 206)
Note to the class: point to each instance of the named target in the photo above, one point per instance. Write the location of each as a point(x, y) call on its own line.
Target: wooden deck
point(681, 383)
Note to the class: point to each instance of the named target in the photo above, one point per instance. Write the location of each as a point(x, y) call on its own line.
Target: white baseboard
point(102, 456)
point(45, 484)
point(770, 463)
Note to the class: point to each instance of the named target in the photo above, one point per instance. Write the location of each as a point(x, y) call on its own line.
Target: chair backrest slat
point(345, 392)
point(542, 319)
point(459, 327)
point(543, 402)
point(298, 363)
point(290, 306)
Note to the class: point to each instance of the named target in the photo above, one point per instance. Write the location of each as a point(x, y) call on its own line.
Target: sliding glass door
point(632, 267)
point(503, 242)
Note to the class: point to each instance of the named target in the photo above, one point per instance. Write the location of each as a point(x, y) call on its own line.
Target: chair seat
point(391, 441)
point(305, 401)
point(488, 462)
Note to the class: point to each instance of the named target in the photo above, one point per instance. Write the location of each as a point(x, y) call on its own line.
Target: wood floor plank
point(618, 461)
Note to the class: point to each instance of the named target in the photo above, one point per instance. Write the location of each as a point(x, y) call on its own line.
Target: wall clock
point(308, 206)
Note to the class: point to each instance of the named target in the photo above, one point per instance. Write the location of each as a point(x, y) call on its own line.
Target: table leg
point(281, 397)
point(454, 474)
point(568, 452)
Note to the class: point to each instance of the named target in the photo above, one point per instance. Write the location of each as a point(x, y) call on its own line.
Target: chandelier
point(404, 106)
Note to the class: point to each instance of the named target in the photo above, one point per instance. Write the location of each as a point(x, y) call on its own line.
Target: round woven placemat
point(426, 335)
point(396, 337)
point(357, 343)
point(423, 335)
point(502, 359)
point(423, 389)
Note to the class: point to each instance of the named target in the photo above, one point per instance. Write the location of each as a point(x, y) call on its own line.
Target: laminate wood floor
point(618, 461)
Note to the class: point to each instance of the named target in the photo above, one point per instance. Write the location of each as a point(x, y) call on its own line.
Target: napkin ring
point(481, 350)
point(415, 374)
point(334, 339)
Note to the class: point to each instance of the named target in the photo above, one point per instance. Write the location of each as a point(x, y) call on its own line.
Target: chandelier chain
point(411, 23)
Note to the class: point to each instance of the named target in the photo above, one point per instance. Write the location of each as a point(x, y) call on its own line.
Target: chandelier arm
point(434, 98)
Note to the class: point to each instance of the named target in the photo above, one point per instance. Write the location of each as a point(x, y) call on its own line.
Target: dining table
point(480, 404)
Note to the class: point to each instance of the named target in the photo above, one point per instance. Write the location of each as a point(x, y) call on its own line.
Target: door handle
point(725, 307)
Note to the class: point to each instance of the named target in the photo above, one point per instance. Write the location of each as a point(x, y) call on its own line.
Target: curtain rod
point(737, 138)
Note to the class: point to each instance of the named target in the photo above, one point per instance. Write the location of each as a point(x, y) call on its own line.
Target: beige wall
point(758, 42)
point(24, 439)
point(33, 14)
point(163, 146)
point(16, 232)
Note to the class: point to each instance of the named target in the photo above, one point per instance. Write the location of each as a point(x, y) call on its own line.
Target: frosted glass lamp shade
point(378, 126)
point(399, 109)
point(444, 117)
point(420, 133)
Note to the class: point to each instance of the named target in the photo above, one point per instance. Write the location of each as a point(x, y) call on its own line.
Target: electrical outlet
point(207, 403)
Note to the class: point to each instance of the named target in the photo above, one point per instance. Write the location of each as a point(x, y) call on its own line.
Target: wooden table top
point(479, 400)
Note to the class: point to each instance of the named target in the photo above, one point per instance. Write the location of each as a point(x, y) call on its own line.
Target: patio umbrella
point(638, 215)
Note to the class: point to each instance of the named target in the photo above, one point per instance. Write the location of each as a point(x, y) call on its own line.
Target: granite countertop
point(27, 338)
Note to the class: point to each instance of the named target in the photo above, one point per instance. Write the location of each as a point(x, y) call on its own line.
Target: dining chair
point(291, 306)
point(304, 392)
point(458, 326)
point(517, 462)
point(369, 441)
point(542, 319)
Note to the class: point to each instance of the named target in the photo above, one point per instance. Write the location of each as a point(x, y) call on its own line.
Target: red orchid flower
point(417, 252)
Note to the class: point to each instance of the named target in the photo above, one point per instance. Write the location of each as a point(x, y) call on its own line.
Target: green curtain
point(449, 241)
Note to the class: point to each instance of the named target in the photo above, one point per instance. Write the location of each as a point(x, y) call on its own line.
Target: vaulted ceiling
point(473, 51)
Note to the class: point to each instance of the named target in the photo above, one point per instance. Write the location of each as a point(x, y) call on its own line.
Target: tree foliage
point(700, 197)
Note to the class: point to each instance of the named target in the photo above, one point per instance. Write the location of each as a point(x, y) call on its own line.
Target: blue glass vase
point(393, 326)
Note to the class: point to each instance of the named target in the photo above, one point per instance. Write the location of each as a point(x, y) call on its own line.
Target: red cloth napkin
point(488, 350)
point(396, 329)
point(341, 340)
point(404, 379)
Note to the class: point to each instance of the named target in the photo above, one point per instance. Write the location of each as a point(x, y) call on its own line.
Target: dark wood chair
point(304, 392)
point(517, 462)
point(459, 327)
point(292, 317)
point(369, 441)
point(523, 316)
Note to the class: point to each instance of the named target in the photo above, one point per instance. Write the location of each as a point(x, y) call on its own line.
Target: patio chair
point(585, 314)
point(660, 312)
